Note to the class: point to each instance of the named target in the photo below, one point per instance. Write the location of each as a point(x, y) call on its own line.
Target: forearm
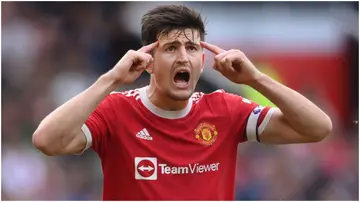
point(65, 122)
point(303, 116)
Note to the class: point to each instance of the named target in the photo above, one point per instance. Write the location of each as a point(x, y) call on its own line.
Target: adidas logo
point(144, 134)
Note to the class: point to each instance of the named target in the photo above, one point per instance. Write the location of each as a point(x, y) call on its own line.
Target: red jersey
point(151, 154)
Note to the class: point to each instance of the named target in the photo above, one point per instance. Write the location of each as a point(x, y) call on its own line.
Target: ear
point(203, 62)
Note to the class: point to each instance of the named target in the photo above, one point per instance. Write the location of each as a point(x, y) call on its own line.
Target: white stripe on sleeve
point(88, 137)
point(252, 123)
point(266, 120)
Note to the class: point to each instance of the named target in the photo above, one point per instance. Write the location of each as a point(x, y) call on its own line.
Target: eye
point(170, 48)
point(192, 48)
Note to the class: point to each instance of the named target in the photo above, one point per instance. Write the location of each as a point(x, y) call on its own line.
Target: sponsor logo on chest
point(146, 168)
point(191, 168)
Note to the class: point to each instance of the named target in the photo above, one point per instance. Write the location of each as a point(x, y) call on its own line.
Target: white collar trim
point(160, 112)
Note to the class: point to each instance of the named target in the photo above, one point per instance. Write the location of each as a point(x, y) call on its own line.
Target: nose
point(182, 55)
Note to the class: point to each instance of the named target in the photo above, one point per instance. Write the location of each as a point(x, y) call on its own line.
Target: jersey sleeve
point(248, 118)
point(96, 127)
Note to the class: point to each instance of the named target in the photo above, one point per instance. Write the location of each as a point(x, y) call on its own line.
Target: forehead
point(183, 36)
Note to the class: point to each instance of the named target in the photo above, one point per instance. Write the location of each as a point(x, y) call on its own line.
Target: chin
point(180, 95)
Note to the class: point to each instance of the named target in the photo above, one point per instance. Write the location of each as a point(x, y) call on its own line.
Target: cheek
point(164, 61)
point(197, 63)
point(161, 70)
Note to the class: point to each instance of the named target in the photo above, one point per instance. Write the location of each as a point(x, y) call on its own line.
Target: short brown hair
point(164, 19)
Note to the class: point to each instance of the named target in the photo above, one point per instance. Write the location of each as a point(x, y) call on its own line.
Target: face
point(178, 62)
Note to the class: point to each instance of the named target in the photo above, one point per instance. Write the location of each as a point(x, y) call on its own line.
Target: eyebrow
point(178, 43)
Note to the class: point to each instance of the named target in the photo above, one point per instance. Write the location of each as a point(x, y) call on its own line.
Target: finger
point(215, 66)
point(233, 58)
point(218, 67)
point(221, 56)
point(146, 57)
point(222, 65)
point(140, 61)
point(149, 68)
point(150, 58)
point(236, 57)
point(218, 58)
point(214, 49)
point(144, 63)
point(148, 48)
point(226, 63)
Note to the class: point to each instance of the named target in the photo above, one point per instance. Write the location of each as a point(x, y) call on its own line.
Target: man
point(164, 141)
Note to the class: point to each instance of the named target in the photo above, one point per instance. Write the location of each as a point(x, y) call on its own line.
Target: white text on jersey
point(195, 168)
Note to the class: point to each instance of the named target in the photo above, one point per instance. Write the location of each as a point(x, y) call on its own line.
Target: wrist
point(109, 81)
point(258, 80)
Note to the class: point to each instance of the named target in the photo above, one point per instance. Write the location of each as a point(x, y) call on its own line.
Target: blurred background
point(51, 51)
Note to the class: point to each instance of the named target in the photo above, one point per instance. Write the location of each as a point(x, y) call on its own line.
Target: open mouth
point(182, 78)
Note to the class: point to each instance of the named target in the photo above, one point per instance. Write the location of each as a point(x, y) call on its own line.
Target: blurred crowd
point(53, 51)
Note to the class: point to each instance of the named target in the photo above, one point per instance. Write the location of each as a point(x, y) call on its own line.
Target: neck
point(162, 101)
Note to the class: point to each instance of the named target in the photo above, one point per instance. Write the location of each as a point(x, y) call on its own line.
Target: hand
point(132, 64)
point(233, 64)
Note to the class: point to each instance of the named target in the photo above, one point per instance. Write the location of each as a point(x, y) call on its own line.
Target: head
point(178, 59)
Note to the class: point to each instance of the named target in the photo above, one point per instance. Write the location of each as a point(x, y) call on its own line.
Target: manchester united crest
point(206, 134)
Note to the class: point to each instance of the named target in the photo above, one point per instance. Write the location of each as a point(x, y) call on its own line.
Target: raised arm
point(61, 131)
point(297, 120)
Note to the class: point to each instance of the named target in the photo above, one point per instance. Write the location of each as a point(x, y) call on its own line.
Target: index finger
point(216, 50)
point(148, 48)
